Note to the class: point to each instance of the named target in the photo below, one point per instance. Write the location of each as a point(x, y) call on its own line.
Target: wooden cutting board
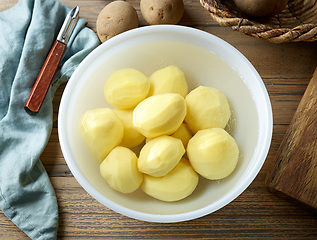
point(294, 170)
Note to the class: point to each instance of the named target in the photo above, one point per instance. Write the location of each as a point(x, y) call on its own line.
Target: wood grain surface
point(294, 171)
point(256, 214)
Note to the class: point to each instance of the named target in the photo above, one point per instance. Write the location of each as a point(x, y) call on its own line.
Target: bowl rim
point(265, 138)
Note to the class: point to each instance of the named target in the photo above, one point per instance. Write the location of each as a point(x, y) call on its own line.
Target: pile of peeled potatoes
point(180, 135)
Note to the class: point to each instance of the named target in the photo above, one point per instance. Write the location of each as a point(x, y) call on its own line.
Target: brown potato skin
point(115, 18)
point(162, 11)
point(261, 8)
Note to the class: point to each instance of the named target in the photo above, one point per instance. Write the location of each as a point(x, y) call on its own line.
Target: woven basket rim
point(227, 17)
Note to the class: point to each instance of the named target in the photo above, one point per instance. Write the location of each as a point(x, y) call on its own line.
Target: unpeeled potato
point(115, 18)
point(261, 8)
point(162, 12)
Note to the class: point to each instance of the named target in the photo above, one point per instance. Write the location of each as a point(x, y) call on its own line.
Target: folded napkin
point(27, 33)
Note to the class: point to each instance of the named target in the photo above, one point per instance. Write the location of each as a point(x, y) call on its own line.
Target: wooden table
point(256, 214)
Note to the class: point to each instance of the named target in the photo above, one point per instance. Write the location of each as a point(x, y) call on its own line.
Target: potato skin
point(115, 18)
point(261, 8)
point(162, 11)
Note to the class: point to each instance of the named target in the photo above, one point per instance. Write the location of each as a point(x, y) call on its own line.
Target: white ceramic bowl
point(206, 60)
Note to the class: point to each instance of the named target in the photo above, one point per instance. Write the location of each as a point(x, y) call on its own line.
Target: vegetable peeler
point(49, 68)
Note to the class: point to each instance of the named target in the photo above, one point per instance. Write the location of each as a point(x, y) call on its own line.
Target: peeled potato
point(131, 137)
point(115, 18)
point(176, 185)
point(168, 80)
point(159, 156)
point(101, 130)
point(206, 108)
point(159, 115)
point(125, 88)
point(183, 133)
point(213, 153)
point(120, 170)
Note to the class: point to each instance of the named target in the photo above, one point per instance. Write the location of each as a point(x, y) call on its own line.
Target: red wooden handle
point(44, 79)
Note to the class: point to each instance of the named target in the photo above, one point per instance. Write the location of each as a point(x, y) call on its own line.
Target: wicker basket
point(298, 22)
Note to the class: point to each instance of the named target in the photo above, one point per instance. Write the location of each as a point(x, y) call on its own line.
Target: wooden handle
point(294, 171)
point(44, 79)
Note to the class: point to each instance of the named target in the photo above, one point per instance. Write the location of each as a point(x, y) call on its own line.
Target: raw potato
point(115, 18)
point(176, 185)
point(159, 156)
point(162, 12)
point(206, 108)
point(168, 80)
point(125, 88)
point(120, 170)
point(168, 121)
point(101, 130)
point(183, 133)
point(159, 115)
point(261, 8)
point(131, 137)
point(213, 153)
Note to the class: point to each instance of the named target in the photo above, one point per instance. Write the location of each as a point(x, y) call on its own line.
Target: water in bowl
point(201, 67)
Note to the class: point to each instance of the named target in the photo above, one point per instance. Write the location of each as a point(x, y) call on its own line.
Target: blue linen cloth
point(27, 32)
